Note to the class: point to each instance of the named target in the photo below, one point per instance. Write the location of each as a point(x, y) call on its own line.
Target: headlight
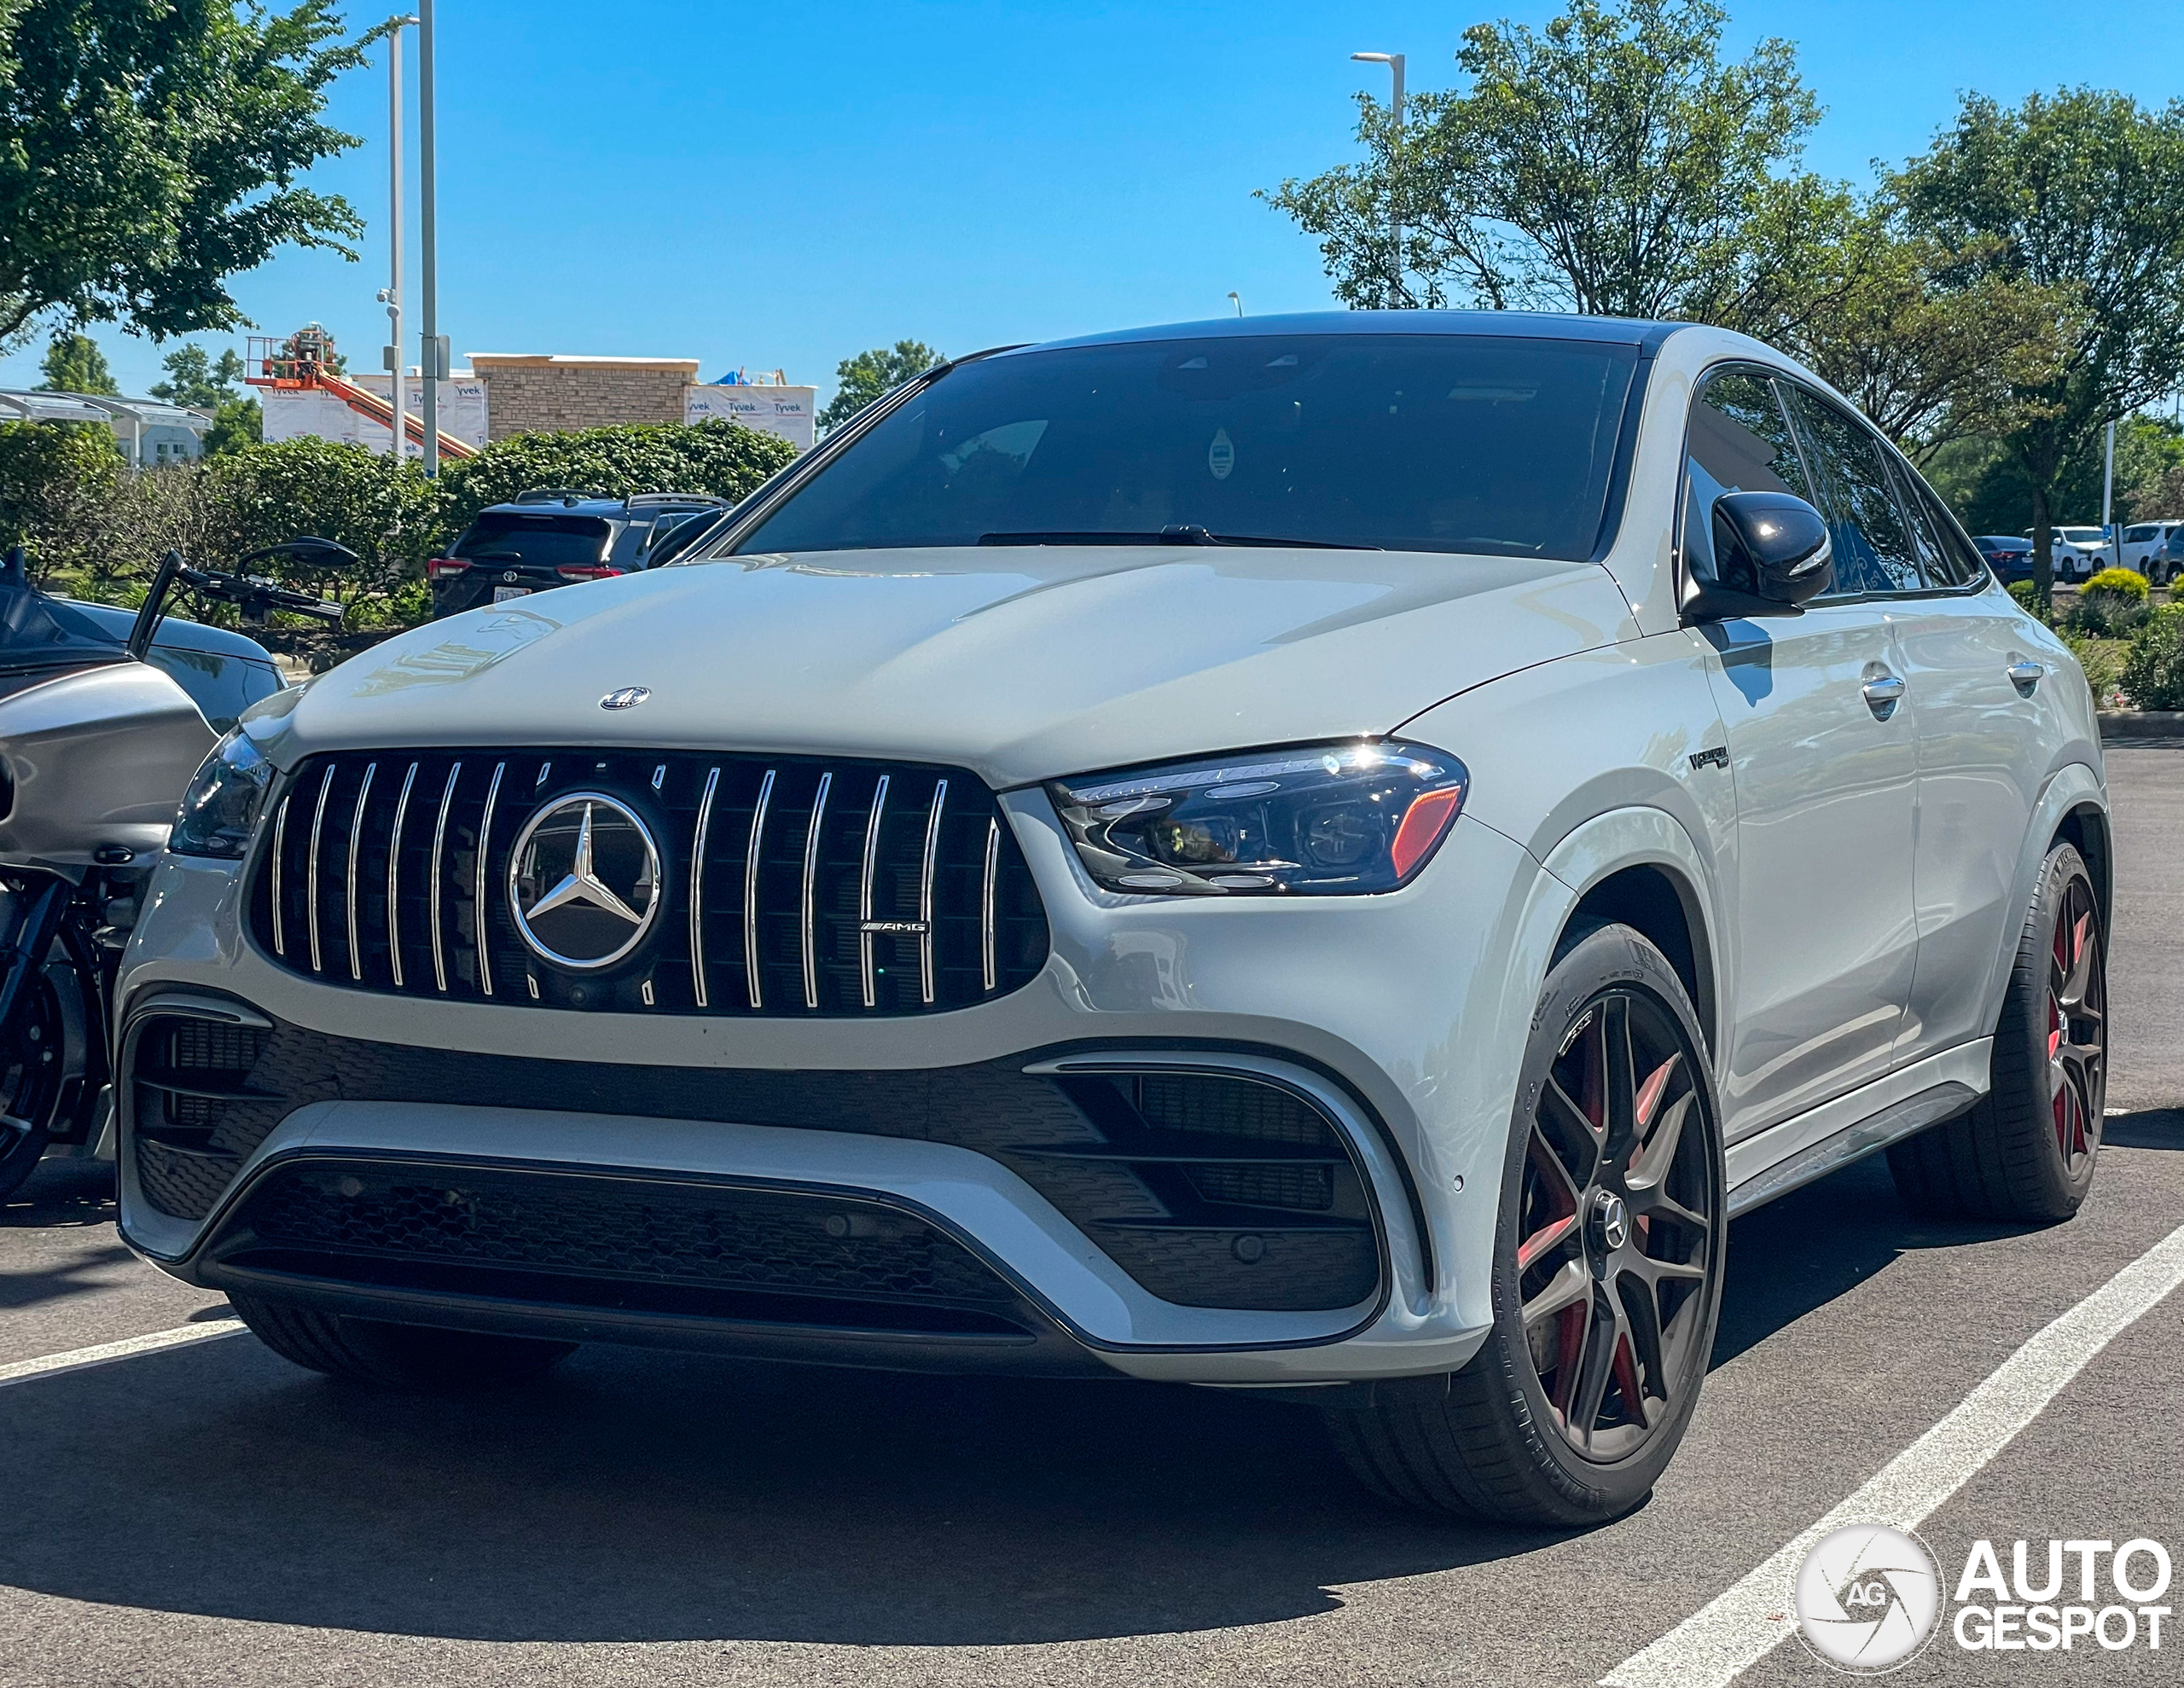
point(1318, 821)
point(221, 804)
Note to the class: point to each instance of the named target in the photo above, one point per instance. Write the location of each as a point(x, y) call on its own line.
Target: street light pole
point(1394, 62)
point(391, 298)
point(2107, 501)
point(429, 238)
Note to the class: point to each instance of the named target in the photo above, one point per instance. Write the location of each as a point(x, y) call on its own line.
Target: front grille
point(632, 1243)
point(1210, 1189)
point(786, 887)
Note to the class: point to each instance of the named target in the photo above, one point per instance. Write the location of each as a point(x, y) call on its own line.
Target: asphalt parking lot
point(208, 1514)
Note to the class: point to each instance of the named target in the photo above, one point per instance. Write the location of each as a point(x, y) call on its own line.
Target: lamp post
point(429, 238)
point(390, 295)
point(1235, 300)
point(1394, 62)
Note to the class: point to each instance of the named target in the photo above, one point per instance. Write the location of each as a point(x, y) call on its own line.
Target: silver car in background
point(1325, 855)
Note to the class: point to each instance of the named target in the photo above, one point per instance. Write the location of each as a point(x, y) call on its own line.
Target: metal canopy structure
point(129, 418)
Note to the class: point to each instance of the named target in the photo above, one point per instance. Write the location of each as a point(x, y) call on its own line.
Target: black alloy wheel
point(34, 1066)
point(1607, 1271)
point(2026, 1149)
point(2078, 1027)
point(1616, 1230)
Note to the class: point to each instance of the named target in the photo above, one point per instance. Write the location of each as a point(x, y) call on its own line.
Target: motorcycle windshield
point(37, 631)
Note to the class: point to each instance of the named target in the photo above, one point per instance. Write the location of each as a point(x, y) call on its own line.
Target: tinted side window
point(1945, 557)
point(1874, 550)
point(1738, 441)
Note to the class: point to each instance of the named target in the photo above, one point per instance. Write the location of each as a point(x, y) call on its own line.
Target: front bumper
point(1402, 1017)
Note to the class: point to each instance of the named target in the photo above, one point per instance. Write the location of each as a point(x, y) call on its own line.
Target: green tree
point(74, 363)
point(2080, 193)
point(1865, 310)
point(236, 422)
point(1610, 163)
point(150, 149)
point(871, 374)
point(197, 380)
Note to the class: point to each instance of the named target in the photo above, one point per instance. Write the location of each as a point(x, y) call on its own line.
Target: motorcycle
point(105, 715)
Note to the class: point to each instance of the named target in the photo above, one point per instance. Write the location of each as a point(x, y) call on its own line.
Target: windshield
point(1411, 442)
point(2082, 536)
point(550, 541)
point(37, 631)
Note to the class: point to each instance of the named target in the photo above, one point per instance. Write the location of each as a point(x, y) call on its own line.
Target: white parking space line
point(23, 1370)
point(1741, 1627)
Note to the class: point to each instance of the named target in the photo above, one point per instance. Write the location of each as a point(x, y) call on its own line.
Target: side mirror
point(1772, 553)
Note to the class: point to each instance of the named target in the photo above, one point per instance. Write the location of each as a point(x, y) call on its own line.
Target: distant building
point(547, 392)
point(150, 431)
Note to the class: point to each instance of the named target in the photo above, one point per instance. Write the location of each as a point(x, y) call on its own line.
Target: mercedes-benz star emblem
point(625, 697)
point(584, 880)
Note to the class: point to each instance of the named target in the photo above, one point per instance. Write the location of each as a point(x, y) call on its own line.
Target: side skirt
point(1785, 1156)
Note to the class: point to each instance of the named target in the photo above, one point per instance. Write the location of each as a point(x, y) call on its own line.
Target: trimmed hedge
point(96, 530)
point(720, 457)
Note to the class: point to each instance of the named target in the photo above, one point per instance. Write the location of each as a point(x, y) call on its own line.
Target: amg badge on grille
point(584, 880)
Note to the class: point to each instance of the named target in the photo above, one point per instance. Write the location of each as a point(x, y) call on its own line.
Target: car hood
point(1019, 662)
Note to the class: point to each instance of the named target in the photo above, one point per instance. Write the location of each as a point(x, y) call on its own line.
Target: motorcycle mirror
point(14, 568)
point(148, 617)
point(308, 551)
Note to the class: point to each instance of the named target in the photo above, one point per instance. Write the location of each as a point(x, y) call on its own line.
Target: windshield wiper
point(1181, 534)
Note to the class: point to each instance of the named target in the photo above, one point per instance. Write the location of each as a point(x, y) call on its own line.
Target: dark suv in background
point(552, 536)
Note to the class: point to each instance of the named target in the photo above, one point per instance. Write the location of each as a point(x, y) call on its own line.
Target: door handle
point(2025, 675)
point(1883, 693)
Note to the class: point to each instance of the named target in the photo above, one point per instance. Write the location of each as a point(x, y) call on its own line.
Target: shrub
point(2029, 600)
point(2153, 672)
point(720, 457)
point(381, 507)
point(2111, 604)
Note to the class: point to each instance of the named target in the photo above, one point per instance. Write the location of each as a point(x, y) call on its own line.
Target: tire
point(36, 1067)
point(2026, 1149)
point(405, 1357)
point(1568, 1417)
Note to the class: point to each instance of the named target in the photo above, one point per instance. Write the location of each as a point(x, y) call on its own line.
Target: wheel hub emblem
point(1611, 1221)
point(583, 881)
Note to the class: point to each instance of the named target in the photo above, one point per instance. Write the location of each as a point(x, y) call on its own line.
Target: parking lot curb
point(2141, 724)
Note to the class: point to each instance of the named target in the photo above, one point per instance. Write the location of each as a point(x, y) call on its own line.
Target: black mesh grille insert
point(544, 1234)
point(824, 889)
point(1209, 1190)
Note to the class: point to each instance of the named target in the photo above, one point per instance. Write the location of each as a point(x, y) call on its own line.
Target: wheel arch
point(1638, 868)
point(2085, 828)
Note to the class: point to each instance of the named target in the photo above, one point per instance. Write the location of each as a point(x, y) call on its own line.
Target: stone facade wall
point(528, 393)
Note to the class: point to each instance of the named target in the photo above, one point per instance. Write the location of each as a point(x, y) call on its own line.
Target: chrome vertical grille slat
point(810, 906)
point(310, 873)
point(867, 888)
point(349, 879)
point(439, 846)
point(753, 982)
point(481, 909)
point(279, 849)
point(697, 880)
point(394, 877)
point(925, 891)
point(864, 933)
point(988, 895)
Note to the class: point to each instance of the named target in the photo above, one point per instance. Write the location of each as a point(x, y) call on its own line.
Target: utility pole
point(433, 364)
point(398, 416)
point(1394, 62)
point(2107, 500)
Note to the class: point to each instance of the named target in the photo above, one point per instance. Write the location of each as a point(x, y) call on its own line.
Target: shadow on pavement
point(61, 1192)
point(653, 1497)
point(2158, 1128)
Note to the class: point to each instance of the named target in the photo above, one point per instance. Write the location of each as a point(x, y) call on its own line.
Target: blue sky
point(779, 186)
